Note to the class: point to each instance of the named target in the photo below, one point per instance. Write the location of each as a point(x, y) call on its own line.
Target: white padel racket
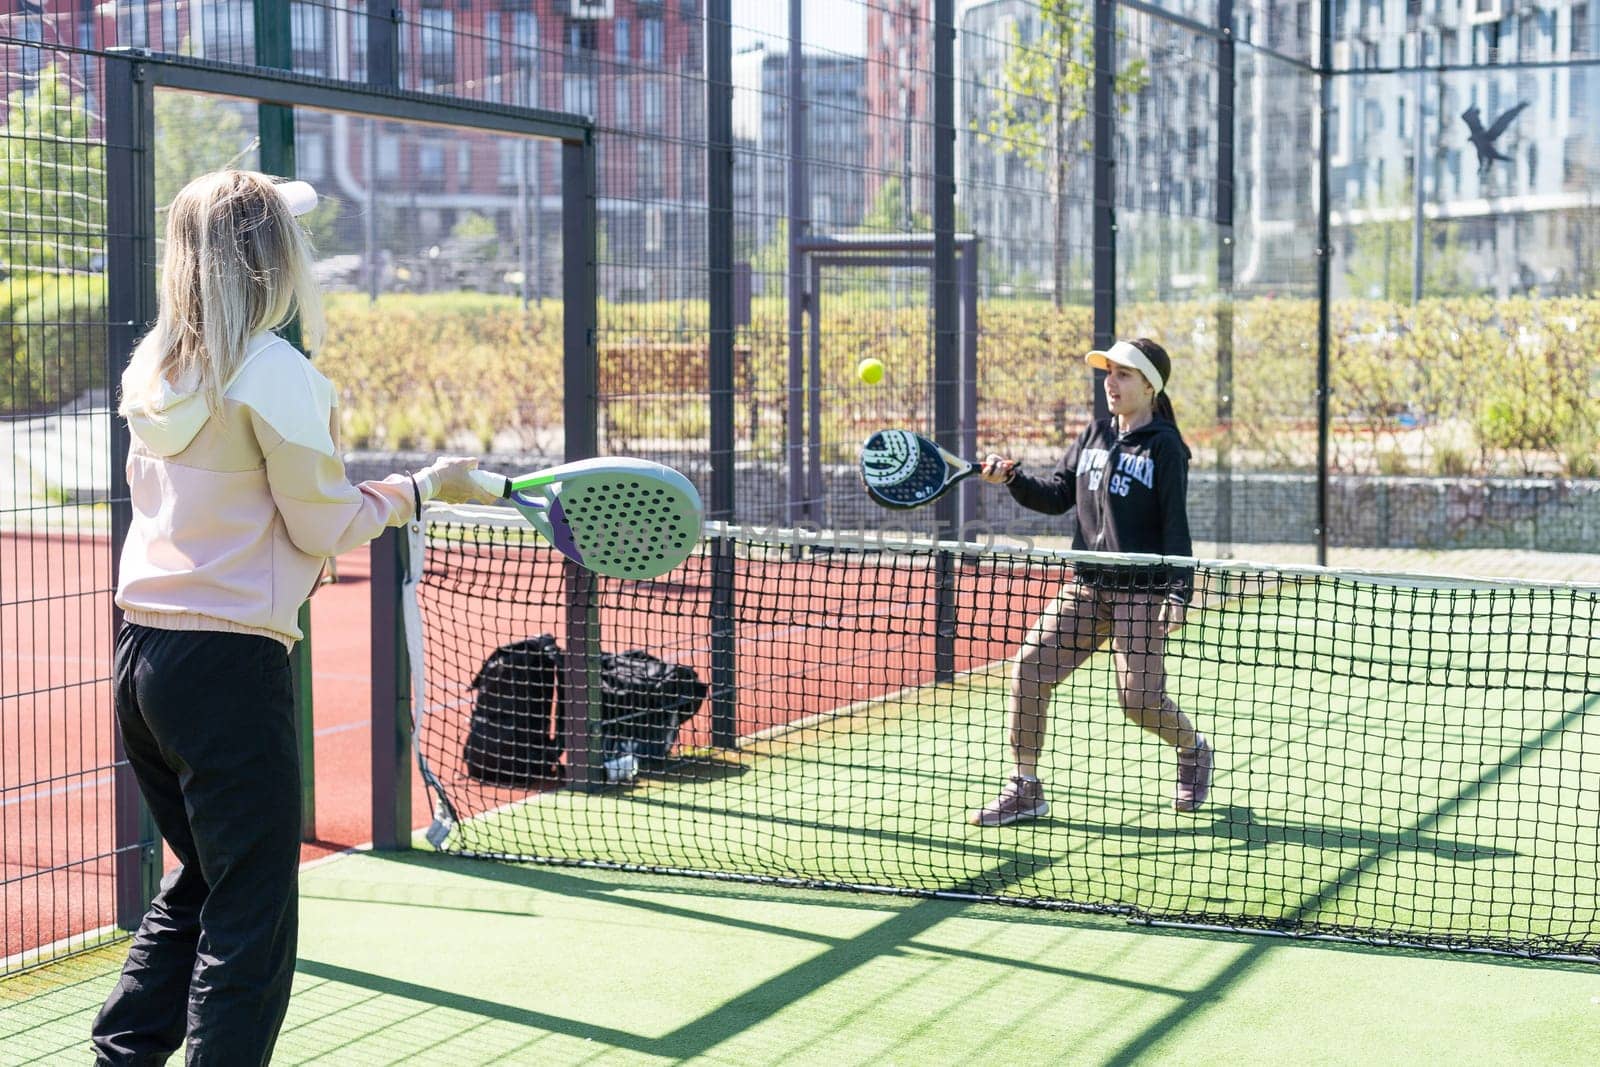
point(902, 469)
point(624, 518)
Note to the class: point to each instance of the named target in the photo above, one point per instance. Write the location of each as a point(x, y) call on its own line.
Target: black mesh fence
point(57, 847)
point(1370, 249)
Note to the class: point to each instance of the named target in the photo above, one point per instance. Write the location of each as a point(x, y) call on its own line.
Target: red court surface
point(56, 782)
point(813, 636)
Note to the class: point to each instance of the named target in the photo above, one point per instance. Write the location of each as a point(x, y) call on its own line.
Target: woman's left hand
point(1172, 613)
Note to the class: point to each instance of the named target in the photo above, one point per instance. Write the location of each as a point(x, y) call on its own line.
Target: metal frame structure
point(956, 415)
point(132, 78)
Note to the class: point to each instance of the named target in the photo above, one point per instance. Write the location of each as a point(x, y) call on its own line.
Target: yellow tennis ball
point(870, 371)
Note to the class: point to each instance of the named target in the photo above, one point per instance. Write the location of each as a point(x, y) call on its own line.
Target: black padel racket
point(902, 469)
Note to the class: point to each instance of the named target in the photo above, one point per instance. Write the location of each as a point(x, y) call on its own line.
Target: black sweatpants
point(207, 719)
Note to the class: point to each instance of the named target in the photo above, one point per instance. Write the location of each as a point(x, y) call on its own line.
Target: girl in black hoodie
point(1128, 477)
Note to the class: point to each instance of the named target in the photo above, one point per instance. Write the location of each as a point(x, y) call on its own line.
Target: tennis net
point(1399, 759)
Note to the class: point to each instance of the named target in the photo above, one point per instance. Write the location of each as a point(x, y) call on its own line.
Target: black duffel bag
point(515, 737)
point(644, 701)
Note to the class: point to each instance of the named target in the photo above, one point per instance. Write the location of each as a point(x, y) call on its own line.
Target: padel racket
point(902, 469)
point(624, 518)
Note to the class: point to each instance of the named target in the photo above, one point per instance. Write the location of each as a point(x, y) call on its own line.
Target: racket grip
point(496, 484)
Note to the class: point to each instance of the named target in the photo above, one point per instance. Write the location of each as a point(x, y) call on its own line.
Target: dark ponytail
point(1163, 364)
point(1164, 411)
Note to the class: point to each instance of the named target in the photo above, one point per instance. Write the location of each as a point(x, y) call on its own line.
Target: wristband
point(416, 495)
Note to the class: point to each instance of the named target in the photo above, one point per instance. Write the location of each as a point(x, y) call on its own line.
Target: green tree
point(52, 198)
point(1047, 91)
point(772, 258)
point(196, 134)
point(888, 211)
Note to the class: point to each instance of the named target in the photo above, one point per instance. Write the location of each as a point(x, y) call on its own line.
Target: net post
point(130, 305)
point(719, 259)
point(580, 678)
point(724, 647)
point(391, 689)
point(300, 680)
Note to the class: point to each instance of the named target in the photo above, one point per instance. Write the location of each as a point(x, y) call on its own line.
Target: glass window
point(438, 46)
point(388, 156)
point(32, 59)
point(583, 36)
point(308, 29)
point(506, 169)
point(623, 115)
point(652, 37)
point(358, 49)
point(430, 162)
point(310, 156)
point(524, 37)
point(577, 94)
point(649, 169)
point(133, 25)
point(653, 105)
point(230, 30)
point(621, 40)
point(491, 55)
point(171, 41)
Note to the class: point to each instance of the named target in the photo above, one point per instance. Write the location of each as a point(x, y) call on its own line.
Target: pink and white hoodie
point(235, 513)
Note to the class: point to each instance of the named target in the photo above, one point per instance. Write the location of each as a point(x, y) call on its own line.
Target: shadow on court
point(896, 935)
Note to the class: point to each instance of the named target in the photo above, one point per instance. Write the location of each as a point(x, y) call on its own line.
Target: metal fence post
point(1105, 190)
point(946, 322)
point(580, 368)
point(130, 307)
point(799, 223)
point(719, 261)
point(1227, 88)
point(391, 695)
point(1324, 273)
point(275, 127)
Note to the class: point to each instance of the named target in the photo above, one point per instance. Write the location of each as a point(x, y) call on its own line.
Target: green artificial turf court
point(1419, 767)
point(1399, 762)
point(421, 959)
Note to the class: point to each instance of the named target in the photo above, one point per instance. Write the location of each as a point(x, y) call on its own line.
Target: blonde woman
point(239, 498)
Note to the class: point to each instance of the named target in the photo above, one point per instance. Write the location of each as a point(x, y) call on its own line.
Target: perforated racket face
point(902, 469)
point(631, 524)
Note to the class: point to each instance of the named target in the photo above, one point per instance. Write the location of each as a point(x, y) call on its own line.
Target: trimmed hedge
point(1459, 386)
point(52, 340)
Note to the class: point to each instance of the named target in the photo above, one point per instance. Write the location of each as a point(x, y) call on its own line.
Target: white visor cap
point(298, 197)
point(1127, 355)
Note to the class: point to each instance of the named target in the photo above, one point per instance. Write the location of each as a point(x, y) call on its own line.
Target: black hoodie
point(1131, 492)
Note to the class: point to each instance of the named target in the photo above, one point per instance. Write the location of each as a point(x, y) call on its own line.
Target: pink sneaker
point(1194, 776)
point(1021, 798)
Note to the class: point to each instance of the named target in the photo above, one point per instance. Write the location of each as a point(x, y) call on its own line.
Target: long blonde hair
point(237, 263)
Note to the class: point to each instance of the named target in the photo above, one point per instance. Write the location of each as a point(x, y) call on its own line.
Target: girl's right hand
point(997, 470)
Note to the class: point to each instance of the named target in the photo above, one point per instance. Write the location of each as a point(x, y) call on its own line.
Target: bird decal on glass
point(1483, 140)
